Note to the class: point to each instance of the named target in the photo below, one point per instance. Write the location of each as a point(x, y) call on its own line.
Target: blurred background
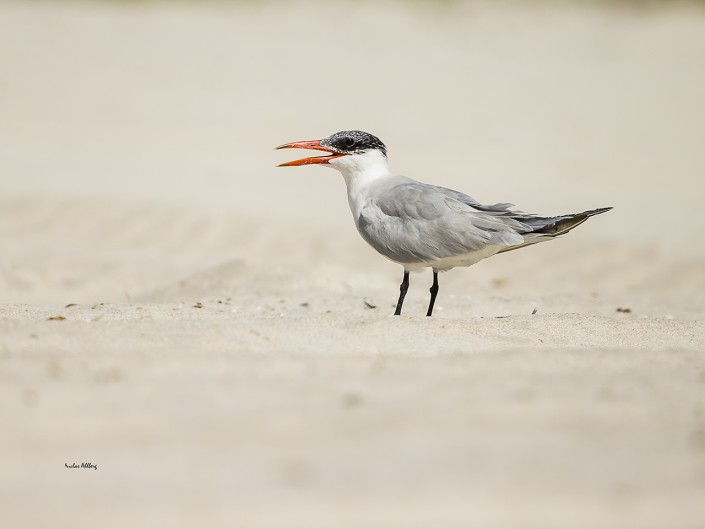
point(132, 108)
point(230, 358)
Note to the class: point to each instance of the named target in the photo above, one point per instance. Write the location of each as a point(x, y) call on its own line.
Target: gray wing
point(539, 226)
point(494, 209)
point(415, 222)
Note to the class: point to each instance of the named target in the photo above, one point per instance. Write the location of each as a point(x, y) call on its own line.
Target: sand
point(212, 334)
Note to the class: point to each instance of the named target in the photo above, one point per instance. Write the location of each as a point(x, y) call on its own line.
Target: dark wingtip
point(596, 211)
point(567, 222)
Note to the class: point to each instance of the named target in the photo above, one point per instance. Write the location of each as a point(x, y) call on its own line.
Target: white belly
point(446, 263)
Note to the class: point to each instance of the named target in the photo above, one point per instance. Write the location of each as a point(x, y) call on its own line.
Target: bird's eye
point(348, 143)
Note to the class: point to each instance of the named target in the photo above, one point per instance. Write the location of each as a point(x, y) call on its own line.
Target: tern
point(419, 225)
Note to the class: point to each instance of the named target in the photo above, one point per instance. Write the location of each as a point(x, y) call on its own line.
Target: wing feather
point(414, 222)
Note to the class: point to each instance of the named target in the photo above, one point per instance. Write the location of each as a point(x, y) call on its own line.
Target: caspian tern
point(423, 226)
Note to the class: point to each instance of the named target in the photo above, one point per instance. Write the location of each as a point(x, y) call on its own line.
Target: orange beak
point(314, 145)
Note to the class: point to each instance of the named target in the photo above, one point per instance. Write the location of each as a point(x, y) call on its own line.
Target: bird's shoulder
point(403, 197)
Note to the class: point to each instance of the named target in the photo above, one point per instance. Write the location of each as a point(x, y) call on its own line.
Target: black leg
point(402, 292)
point(434, 292)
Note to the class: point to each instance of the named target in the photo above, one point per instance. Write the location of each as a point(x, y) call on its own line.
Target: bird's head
point(350, 151)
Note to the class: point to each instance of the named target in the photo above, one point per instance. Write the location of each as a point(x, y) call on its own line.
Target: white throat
point(360, 171)
point(360, 168)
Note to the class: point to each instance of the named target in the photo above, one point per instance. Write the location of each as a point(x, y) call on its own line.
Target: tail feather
point(544, 228)
point(559, 225)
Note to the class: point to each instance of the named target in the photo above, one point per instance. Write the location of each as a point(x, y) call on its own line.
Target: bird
point(420, 225)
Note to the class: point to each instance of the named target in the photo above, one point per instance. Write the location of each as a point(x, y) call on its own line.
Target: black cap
point(353, 142)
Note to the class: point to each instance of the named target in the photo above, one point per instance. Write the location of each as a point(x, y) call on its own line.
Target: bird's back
point(420, 225)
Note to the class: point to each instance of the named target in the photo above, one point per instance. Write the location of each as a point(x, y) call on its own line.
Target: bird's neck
point(361, 169)
point(363, 179)
point(360, 177)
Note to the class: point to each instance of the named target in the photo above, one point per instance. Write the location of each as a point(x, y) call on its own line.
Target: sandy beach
point(211, 333)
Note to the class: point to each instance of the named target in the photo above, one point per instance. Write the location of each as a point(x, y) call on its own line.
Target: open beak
point(312, 144)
